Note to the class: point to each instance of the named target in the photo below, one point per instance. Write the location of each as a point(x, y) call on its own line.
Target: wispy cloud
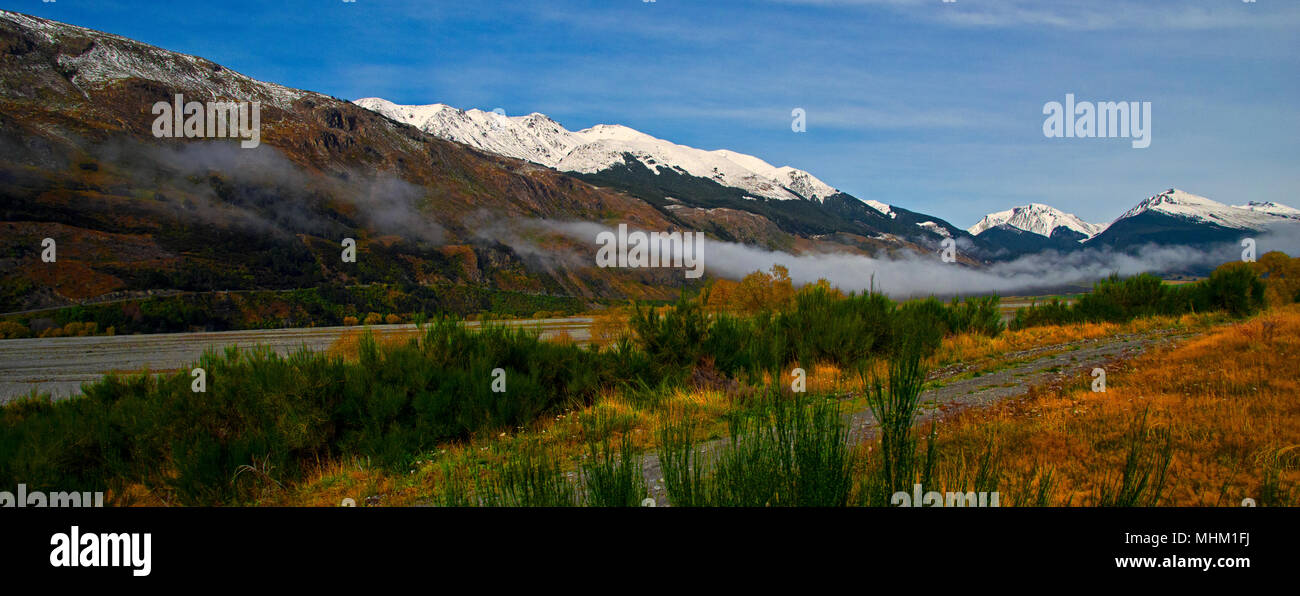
point(1183, 15)
point(912, 274)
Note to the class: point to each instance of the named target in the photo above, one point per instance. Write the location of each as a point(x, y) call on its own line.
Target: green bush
point(1233, 288)
point(265, 416)
point(821, 327)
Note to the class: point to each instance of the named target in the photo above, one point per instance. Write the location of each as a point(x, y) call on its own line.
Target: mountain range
point(432, 194)
point(613, 153)
point(1170, 217)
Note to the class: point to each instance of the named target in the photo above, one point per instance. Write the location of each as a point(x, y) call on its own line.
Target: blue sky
point(933, 106)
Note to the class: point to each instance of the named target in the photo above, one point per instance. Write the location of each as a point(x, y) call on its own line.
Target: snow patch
point(936, 228)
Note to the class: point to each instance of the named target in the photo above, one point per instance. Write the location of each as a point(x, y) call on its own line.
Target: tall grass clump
point(611, 473)
point(1035, 488)
point(896, 408)
point(782, 451)
point(1274, 490)
point(456, 489)
point(1146, 466)
point(683, 462)
point(787, 451)
point(529, 476)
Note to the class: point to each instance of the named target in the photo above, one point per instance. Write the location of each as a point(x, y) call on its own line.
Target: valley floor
point(1225, 391)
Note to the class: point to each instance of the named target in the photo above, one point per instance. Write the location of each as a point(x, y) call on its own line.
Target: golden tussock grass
point(1230, 399)
point(348, 343)
point(967, 347)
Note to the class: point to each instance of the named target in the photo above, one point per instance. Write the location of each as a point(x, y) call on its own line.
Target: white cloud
point(1086, 14)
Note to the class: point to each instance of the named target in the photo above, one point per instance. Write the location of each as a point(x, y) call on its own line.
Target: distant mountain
point(1199, 209)
point(1005, 241)
point(1173, 217)
point(539, 139)
point(1031, 229)
point(1038, 219)
point(1271, 208)
point(1177, 217)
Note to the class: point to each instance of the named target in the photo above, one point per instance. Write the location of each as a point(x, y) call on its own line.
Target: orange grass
point(1231, 400)
point(348, 343)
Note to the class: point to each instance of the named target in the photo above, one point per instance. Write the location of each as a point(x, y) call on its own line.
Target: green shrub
point(822, 326)
point(1234, 288)
point(265, 416)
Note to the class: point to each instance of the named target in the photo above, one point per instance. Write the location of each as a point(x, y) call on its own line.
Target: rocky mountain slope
point(134, 214)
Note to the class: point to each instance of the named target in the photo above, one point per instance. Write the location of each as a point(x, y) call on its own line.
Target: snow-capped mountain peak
point(539, 139)
point(1186, 205)
point(1037, 218)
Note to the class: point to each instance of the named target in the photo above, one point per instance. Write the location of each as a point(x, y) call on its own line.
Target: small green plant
point(682, 462)
point(529, 476)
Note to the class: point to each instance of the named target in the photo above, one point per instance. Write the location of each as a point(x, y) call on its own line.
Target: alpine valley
point(435, 196)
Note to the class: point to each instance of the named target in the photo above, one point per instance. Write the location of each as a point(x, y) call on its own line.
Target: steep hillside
point(133, 214)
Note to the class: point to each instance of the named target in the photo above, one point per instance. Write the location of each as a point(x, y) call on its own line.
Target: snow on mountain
point(934, 227)
point(539, 139)
point(109, 58)
point(1186, 205)
point(1271, 208)
point(1038, 219)
point(882, 208)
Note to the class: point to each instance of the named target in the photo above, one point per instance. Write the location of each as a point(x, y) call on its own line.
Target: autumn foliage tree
point(1281, 275)
point(756, 292)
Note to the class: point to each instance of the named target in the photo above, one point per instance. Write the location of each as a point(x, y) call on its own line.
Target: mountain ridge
point(540, 139)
